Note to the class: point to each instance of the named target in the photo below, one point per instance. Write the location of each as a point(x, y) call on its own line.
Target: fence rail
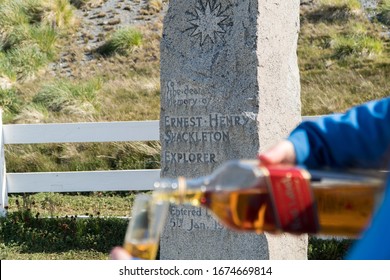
point(80, 181)
point(81, 132)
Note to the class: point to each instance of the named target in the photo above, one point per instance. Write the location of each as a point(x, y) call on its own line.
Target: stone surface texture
point(229, 89)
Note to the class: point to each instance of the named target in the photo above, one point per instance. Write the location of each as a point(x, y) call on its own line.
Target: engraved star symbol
point(207, 23)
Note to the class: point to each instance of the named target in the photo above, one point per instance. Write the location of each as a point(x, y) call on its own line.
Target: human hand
point(118, 253)
point(283, 152)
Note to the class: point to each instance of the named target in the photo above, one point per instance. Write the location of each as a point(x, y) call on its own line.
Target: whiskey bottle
point(247, 196)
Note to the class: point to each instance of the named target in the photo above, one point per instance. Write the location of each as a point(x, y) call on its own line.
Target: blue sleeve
point(358, 138)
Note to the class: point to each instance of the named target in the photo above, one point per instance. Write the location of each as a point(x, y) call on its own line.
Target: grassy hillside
point(50, 73)
point(119, 81)
point(344, 57)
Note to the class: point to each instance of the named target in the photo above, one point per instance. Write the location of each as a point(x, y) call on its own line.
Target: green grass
point(29, 233)
point(19, 252)
point(9, 101)
point(23, 234)
point(25, 61)
point(29, 33)
point(344, 61)
point(69, 96)
point(12, 14)
point(46, 38)
point(384, 12)
point(94, 204)
point(59, 14)
point(47, 225)
point(328, 249)
point(122, 41)
point(355, 45)
point(349, 4)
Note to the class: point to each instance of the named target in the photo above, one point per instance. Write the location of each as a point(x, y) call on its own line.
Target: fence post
point(3, 183)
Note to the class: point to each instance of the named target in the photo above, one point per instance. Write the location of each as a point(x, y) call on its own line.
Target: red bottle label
point(293, 199)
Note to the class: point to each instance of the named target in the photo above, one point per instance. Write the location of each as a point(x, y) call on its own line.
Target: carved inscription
point(214, 128)
point(173, 157)
point(190, 130)
point(196, 136)
point(213, 120)
point(185, 133)
point(188, 219)
point(186, 96)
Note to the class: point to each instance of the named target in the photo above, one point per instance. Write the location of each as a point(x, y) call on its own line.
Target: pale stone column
point(229, 88)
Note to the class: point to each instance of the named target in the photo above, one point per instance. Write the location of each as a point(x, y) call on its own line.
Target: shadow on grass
point(330, 14)
point(38, 235)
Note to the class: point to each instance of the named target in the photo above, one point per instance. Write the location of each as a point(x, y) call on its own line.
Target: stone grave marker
point(229, 89)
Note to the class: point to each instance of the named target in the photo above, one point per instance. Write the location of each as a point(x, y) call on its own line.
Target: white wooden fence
point(81, 181)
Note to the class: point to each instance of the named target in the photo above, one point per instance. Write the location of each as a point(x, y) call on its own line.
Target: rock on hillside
point(97, 21)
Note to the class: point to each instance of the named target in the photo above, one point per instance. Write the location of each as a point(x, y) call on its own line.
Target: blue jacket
point(358, 138)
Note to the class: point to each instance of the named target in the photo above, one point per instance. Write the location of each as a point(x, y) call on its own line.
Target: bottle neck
point(231, 176)
point(181, 190)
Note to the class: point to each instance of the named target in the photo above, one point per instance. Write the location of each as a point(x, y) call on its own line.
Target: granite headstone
point(229, 89)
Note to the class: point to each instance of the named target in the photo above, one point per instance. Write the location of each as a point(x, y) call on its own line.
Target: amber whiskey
point(246, 196)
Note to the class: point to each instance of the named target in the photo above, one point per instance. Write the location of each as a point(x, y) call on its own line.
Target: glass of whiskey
point(145, 226)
